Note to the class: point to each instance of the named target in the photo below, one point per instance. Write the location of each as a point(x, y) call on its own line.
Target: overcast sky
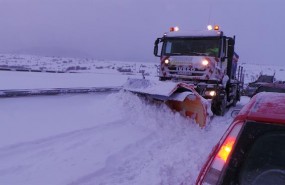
point(126, 29)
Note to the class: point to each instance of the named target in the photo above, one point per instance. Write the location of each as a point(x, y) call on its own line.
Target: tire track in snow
point(41, 143)
point(66, 151)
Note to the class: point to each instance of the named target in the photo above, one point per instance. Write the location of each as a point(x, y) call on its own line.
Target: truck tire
point(164, 78)
point(219, 106)
point(234, 104)
point(236, 98)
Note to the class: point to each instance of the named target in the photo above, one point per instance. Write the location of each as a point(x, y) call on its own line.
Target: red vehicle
point(252, 151)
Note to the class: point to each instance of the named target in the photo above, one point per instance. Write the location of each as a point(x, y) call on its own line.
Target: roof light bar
point(173, 29)
point(216, 27)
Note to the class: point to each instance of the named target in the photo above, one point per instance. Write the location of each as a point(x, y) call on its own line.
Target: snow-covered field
point(103, 138)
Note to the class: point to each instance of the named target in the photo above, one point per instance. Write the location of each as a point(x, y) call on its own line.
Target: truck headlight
point(166, 61)
point(210, 93)
point(205, 62)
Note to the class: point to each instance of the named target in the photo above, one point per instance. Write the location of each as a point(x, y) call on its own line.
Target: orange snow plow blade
point(193, 108)
point(180, 97)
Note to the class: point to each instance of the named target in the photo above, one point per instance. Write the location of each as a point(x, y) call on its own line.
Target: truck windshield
point(192, 46)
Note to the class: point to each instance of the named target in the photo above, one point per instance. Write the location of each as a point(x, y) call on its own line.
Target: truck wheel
point(219, 108)
point(223, 106)
point(164, 78)
point(236, 99)
point(234, 104)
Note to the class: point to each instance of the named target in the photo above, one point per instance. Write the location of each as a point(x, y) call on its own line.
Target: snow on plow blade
point(180, 97)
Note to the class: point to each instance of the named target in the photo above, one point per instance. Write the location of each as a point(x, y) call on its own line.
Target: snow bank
point(101, 139)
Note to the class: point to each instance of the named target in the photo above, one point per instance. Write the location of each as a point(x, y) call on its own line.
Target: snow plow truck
point(200, 69)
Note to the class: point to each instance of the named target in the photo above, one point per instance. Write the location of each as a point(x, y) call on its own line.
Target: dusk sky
point(127, 29)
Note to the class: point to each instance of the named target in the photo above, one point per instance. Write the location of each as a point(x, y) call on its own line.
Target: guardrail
point(32, 70)
point(55, 91)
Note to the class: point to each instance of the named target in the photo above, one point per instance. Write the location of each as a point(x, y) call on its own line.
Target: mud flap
point(180, 97)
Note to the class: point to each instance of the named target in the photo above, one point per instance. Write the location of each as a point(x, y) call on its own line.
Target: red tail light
point(226, 148)
point(214, 169)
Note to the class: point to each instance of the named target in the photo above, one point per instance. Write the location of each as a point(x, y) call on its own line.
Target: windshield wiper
point(190, 53)
point(176, 54)
point(197, 53)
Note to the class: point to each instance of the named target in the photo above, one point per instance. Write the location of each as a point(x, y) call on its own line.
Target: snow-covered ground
point(76, 65)
point(99, 139)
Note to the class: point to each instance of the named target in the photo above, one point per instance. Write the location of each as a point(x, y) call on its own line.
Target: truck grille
point(173, 70)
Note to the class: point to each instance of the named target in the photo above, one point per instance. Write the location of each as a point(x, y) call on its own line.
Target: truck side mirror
point(155, 49)
point(231, 42)
point(231, 46)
